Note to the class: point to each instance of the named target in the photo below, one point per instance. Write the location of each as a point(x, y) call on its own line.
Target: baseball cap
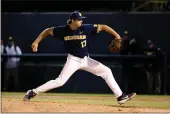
point(149, 42)
point(10, 39)
point(76, 15)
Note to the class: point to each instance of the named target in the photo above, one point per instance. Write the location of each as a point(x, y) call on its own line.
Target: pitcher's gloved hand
point(115, 45)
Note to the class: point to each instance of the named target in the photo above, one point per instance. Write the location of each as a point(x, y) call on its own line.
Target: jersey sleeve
point(91, 29)
point(58, 32)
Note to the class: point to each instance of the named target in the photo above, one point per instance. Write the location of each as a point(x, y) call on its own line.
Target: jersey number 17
point(83, 43)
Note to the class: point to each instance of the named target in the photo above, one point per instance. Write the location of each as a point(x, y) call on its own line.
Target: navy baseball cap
point(76, 15)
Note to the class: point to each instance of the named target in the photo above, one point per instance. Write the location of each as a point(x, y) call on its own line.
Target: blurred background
point(142, 65)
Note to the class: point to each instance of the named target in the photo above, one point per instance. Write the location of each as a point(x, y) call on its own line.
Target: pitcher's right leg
point(105, 72)
point(69, 68)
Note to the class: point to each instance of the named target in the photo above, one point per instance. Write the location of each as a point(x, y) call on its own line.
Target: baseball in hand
point(35, 47)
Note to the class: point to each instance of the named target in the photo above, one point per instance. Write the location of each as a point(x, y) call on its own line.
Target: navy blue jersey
point(75, 41)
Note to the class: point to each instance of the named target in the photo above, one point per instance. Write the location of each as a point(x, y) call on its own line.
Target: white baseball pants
point(87, 64)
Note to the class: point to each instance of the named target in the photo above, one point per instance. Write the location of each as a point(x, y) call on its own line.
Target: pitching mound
point(21, 106)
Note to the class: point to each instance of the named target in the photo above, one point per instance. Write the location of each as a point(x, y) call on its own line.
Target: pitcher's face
point(77, 22)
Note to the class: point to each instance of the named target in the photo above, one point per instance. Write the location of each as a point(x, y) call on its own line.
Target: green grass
point(148, 101)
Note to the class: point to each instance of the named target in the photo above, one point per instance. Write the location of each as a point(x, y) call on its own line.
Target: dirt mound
point(21, 106)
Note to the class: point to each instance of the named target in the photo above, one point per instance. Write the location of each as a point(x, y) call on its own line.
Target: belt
point(80, 56)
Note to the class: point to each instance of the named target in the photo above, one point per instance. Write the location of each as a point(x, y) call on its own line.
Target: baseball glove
point(115, 45)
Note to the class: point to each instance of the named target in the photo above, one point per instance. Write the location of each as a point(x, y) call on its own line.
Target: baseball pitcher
point(75, 37)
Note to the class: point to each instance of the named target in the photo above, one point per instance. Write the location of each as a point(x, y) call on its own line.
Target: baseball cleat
point(123, 98)
point(30, 94)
